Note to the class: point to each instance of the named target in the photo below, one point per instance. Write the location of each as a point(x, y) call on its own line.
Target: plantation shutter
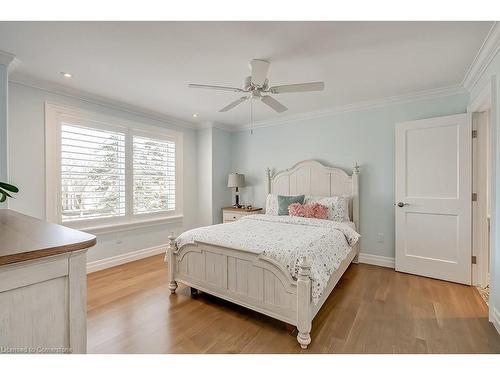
point(92, 173)
point(153, 174)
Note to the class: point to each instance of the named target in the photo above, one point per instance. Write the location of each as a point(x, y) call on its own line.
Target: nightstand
point(232, 213)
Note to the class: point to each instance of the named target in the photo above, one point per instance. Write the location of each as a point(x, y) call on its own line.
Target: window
point(154, 175)
point(92, 173)
point(102, 173)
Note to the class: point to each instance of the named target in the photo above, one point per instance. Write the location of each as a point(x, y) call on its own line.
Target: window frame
point(56, 114)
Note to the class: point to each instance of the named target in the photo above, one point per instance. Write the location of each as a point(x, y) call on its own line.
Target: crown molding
point(217, 125)
point(205, 125)
point(8, 59)
point(54, 88)
point(482, 101)
point(224, 126)
point(30, 81)
point(361, 106)
point(483, 58)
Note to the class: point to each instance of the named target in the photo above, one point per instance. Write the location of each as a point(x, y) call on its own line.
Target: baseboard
point(376, 260)
point(102, 264)
point(495, 318)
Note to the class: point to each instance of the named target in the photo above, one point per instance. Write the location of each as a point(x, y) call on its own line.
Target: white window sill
point(120, 227)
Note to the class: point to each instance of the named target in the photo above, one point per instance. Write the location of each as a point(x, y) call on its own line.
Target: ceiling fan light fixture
point(247, 83)
point(257, 84)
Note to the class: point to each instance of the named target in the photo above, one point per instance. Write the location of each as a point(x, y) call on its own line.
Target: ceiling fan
point(256, 86)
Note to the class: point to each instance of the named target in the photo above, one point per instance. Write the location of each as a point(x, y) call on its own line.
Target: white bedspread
point(285, 239)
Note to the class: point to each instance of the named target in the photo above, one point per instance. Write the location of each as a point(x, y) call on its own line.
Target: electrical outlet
point(380, 237)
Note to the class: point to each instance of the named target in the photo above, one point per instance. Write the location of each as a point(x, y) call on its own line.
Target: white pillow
point(338, 206)
point(272, 204)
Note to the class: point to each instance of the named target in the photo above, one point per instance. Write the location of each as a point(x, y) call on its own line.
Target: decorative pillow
point(338, 206)
point(272, 204)
point(313, 210)
point(286, 200)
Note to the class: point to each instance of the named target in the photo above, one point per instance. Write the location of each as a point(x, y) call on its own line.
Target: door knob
point(401, 204)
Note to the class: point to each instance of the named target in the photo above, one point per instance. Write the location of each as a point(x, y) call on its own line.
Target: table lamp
point(236, 180)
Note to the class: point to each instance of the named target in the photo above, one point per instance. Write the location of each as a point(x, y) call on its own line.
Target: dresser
point(232, 213)
point(43, 286)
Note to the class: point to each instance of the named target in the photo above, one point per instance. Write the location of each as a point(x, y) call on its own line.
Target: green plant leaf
point(3, 198)
point(2, 191)
point(9, 187)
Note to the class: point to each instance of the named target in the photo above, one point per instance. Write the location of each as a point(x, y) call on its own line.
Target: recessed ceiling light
point(195, 115)
point(67, 75)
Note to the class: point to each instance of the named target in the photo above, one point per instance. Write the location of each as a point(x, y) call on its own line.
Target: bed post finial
point(355, 170)
point(172, 250)
point(268, 180)
point(304, 266)
point(304, 302)
point(171, 239)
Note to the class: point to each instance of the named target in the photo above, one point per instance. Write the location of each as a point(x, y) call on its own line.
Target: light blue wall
point(492, 74)
point(366, 137)
point(3, 123)
point(27, 168)
point(221, 164)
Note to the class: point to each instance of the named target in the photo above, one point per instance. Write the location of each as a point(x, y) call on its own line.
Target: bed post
point(355, 205)
point(172, 249)
point(304, 303)
point(268, 181)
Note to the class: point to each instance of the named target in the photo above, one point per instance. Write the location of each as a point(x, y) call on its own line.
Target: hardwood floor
point(372, 310)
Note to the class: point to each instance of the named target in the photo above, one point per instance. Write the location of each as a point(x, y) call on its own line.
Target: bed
point(239, 263)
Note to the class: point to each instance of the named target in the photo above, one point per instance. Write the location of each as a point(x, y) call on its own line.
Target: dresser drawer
point(231, 216)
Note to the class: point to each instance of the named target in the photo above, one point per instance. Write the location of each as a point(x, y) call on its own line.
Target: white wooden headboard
point(310, 177)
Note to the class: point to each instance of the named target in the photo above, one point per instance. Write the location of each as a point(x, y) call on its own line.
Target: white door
point(433, 197)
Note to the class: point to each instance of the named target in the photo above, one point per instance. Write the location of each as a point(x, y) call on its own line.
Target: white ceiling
point(149, 64)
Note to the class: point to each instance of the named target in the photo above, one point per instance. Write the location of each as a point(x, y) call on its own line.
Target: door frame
point(483, 103)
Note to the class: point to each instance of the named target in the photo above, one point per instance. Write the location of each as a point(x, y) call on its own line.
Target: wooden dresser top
point(23, 238)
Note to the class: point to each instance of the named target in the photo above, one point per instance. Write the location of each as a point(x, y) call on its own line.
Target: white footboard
point(246, 279)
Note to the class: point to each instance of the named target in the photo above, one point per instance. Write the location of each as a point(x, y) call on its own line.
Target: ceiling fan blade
point(234, 104)
point(273, 103)
point(299, 87)
point(211, 87)
point(260, 68)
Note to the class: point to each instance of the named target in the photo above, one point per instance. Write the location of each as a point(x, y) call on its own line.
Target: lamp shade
point(236, 180)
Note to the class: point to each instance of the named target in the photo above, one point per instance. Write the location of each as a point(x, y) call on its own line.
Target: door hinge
point(474, 133)
point(474, 259)
point(474, 197)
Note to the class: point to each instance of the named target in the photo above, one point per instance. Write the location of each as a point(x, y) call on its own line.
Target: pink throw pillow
point(312, 210)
